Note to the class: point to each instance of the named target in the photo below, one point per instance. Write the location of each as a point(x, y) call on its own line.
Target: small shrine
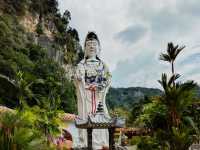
point(99, 120)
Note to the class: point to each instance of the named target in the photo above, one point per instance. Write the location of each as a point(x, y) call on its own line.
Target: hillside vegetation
point(37, 43)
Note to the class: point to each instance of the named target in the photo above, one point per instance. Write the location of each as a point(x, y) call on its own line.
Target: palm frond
point(192, 124)
point(174, 77)
point(178, 51)
point(188, 86)
point(163, 81)
point(164, 57)
point(170, 46)
point(172, 52)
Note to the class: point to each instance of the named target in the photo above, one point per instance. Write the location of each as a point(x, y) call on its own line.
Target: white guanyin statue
point(92, 81)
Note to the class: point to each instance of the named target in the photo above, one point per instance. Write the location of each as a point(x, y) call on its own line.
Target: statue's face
point(91, 48)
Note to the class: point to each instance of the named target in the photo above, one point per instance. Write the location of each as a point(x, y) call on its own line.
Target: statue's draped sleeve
point(80, 87)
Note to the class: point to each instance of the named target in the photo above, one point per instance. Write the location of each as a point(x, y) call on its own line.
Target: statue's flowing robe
point(88, 74)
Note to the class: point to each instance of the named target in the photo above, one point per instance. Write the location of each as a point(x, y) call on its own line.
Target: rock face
point(56, 51)
point(48, 43)
point(46, 40)
point(29, 22)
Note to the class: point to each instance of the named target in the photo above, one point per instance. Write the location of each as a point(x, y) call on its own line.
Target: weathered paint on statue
point(92, 81)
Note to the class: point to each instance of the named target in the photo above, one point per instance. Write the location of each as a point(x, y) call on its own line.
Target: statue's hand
point(98, 87)
point(91, 86)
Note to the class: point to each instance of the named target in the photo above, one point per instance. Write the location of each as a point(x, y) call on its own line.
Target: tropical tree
point(170, 56)
point(177, 96)
point(48, 120)
point(167, 116)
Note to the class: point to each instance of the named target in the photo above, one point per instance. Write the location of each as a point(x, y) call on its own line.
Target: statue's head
point(92, 45)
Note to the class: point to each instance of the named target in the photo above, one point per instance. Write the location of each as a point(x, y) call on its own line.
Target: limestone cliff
point(37, 47)
point(45, 26)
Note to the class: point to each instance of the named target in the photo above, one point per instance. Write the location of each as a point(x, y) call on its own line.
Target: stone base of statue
point(99, 121)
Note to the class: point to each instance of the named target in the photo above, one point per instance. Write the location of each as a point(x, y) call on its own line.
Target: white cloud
point(133, 56)
point(103, 16)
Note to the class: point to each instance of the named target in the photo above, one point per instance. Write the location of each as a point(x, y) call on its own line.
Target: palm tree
point(168, 115)
point(176, 97)
point(170, 56)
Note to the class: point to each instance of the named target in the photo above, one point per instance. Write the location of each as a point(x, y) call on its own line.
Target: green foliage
point(39, 29)
point(192, 119)
point(148, 143)
point(30, 81)
point(153, 116)
point(178, 96)
point(128, 97)
point(42, 76)
point(13, 56)
point(168, 116)
point(43, 7)
point(181, 138)
point(134, 140)
point(11, 42)
point(61, 23)
point(17, 132)
point(15, 6)
point(47, 121)
point(47, 10)
point(9, 91)
point(120, 112)
point(54, 84)
point(137, 108)
point(36, 52)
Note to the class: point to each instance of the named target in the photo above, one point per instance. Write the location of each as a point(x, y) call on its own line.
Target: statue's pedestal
point(100, 121)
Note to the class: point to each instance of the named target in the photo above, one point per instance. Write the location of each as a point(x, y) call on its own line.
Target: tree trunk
point(175, 118)
point(173, 72)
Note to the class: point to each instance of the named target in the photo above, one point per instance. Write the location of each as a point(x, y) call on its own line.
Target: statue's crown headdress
point(92, 35)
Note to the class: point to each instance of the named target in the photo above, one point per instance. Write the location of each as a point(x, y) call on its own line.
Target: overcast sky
point(134, 32)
